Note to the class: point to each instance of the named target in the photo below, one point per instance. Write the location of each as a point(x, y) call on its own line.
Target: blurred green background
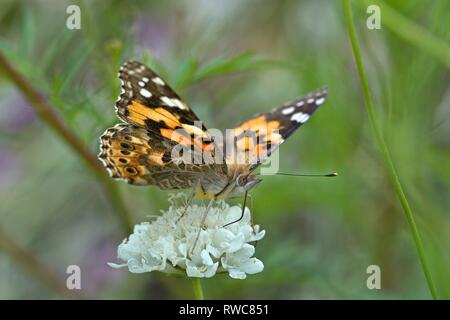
point(230, 60)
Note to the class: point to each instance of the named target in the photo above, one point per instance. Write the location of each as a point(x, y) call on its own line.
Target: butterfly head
point(246, 181)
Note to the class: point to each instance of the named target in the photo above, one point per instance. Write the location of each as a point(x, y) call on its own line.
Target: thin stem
point(198, 291)
point(384, 149)
point(35, 267)
point(48, 114)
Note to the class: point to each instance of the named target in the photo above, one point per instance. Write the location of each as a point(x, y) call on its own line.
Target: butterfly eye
point(242, 180)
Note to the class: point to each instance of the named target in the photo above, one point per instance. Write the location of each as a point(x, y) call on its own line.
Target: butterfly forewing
point(146, 99)
point(263, 133)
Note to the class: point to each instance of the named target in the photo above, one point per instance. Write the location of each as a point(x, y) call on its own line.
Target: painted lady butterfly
point(140, 151)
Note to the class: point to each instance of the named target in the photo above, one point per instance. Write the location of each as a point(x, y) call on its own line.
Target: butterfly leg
point(242, 213)
point(186, 206)
point(188, 202)
point(205, 214)
point(251, 208)
point(251, 211)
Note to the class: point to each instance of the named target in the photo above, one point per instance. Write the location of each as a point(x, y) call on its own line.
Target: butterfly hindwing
point(140, 157)
point(129, 153)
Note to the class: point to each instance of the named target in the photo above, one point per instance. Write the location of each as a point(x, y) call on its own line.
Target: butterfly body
point(163, 143)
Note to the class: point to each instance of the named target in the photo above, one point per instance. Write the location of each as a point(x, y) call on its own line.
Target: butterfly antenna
point(332, 174)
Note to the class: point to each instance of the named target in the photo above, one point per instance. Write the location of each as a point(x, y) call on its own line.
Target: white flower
point(166, 244)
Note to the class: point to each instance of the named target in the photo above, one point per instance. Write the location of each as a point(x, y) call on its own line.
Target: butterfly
point(156, 121)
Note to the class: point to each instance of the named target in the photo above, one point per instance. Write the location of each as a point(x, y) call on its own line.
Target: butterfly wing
point(140, 157)
point(146, 99)
point(257, 137)
point(148, 102)
point(130, 153)
point(140, 151)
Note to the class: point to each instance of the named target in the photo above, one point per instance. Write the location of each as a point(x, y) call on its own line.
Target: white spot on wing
point(300, 117)
point(167, 101)
point(145, 93)
point(158, 80)
point(299, 104)
point(179, 104)
point(141, 83)
point(145, 79)
point(310, 100)
point(320, 101)
point(174, 103)
point(288, 110)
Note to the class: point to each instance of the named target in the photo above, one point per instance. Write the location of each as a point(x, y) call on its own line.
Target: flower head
point(167, 243)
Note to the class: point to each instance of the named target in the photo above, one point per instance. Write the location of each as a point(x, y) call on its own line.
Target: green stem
point(50, 117)
point(198, 291)
point(384, 149)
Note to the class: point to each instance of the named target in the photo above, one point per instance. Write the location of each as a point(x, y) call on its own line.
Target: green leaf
point(27, 32)
point(73, 68)
point(54, 48)
point(413, 33)
point(243, 62)
point(186, 73)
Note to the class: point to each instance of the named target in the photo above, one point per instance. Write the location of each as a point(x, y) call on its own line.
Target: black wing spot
point(166, 158)
point(126, 145)
point(131, 170)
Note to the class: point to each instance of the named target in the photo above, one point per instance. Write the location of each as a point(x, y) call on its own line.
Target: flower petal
point(166, 244)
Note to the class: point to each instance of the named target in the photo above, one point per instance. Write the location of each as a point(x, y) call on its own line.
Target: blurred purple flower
point(153, 33)
point(9, 168)
point(96, 272)
point(15, 113)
